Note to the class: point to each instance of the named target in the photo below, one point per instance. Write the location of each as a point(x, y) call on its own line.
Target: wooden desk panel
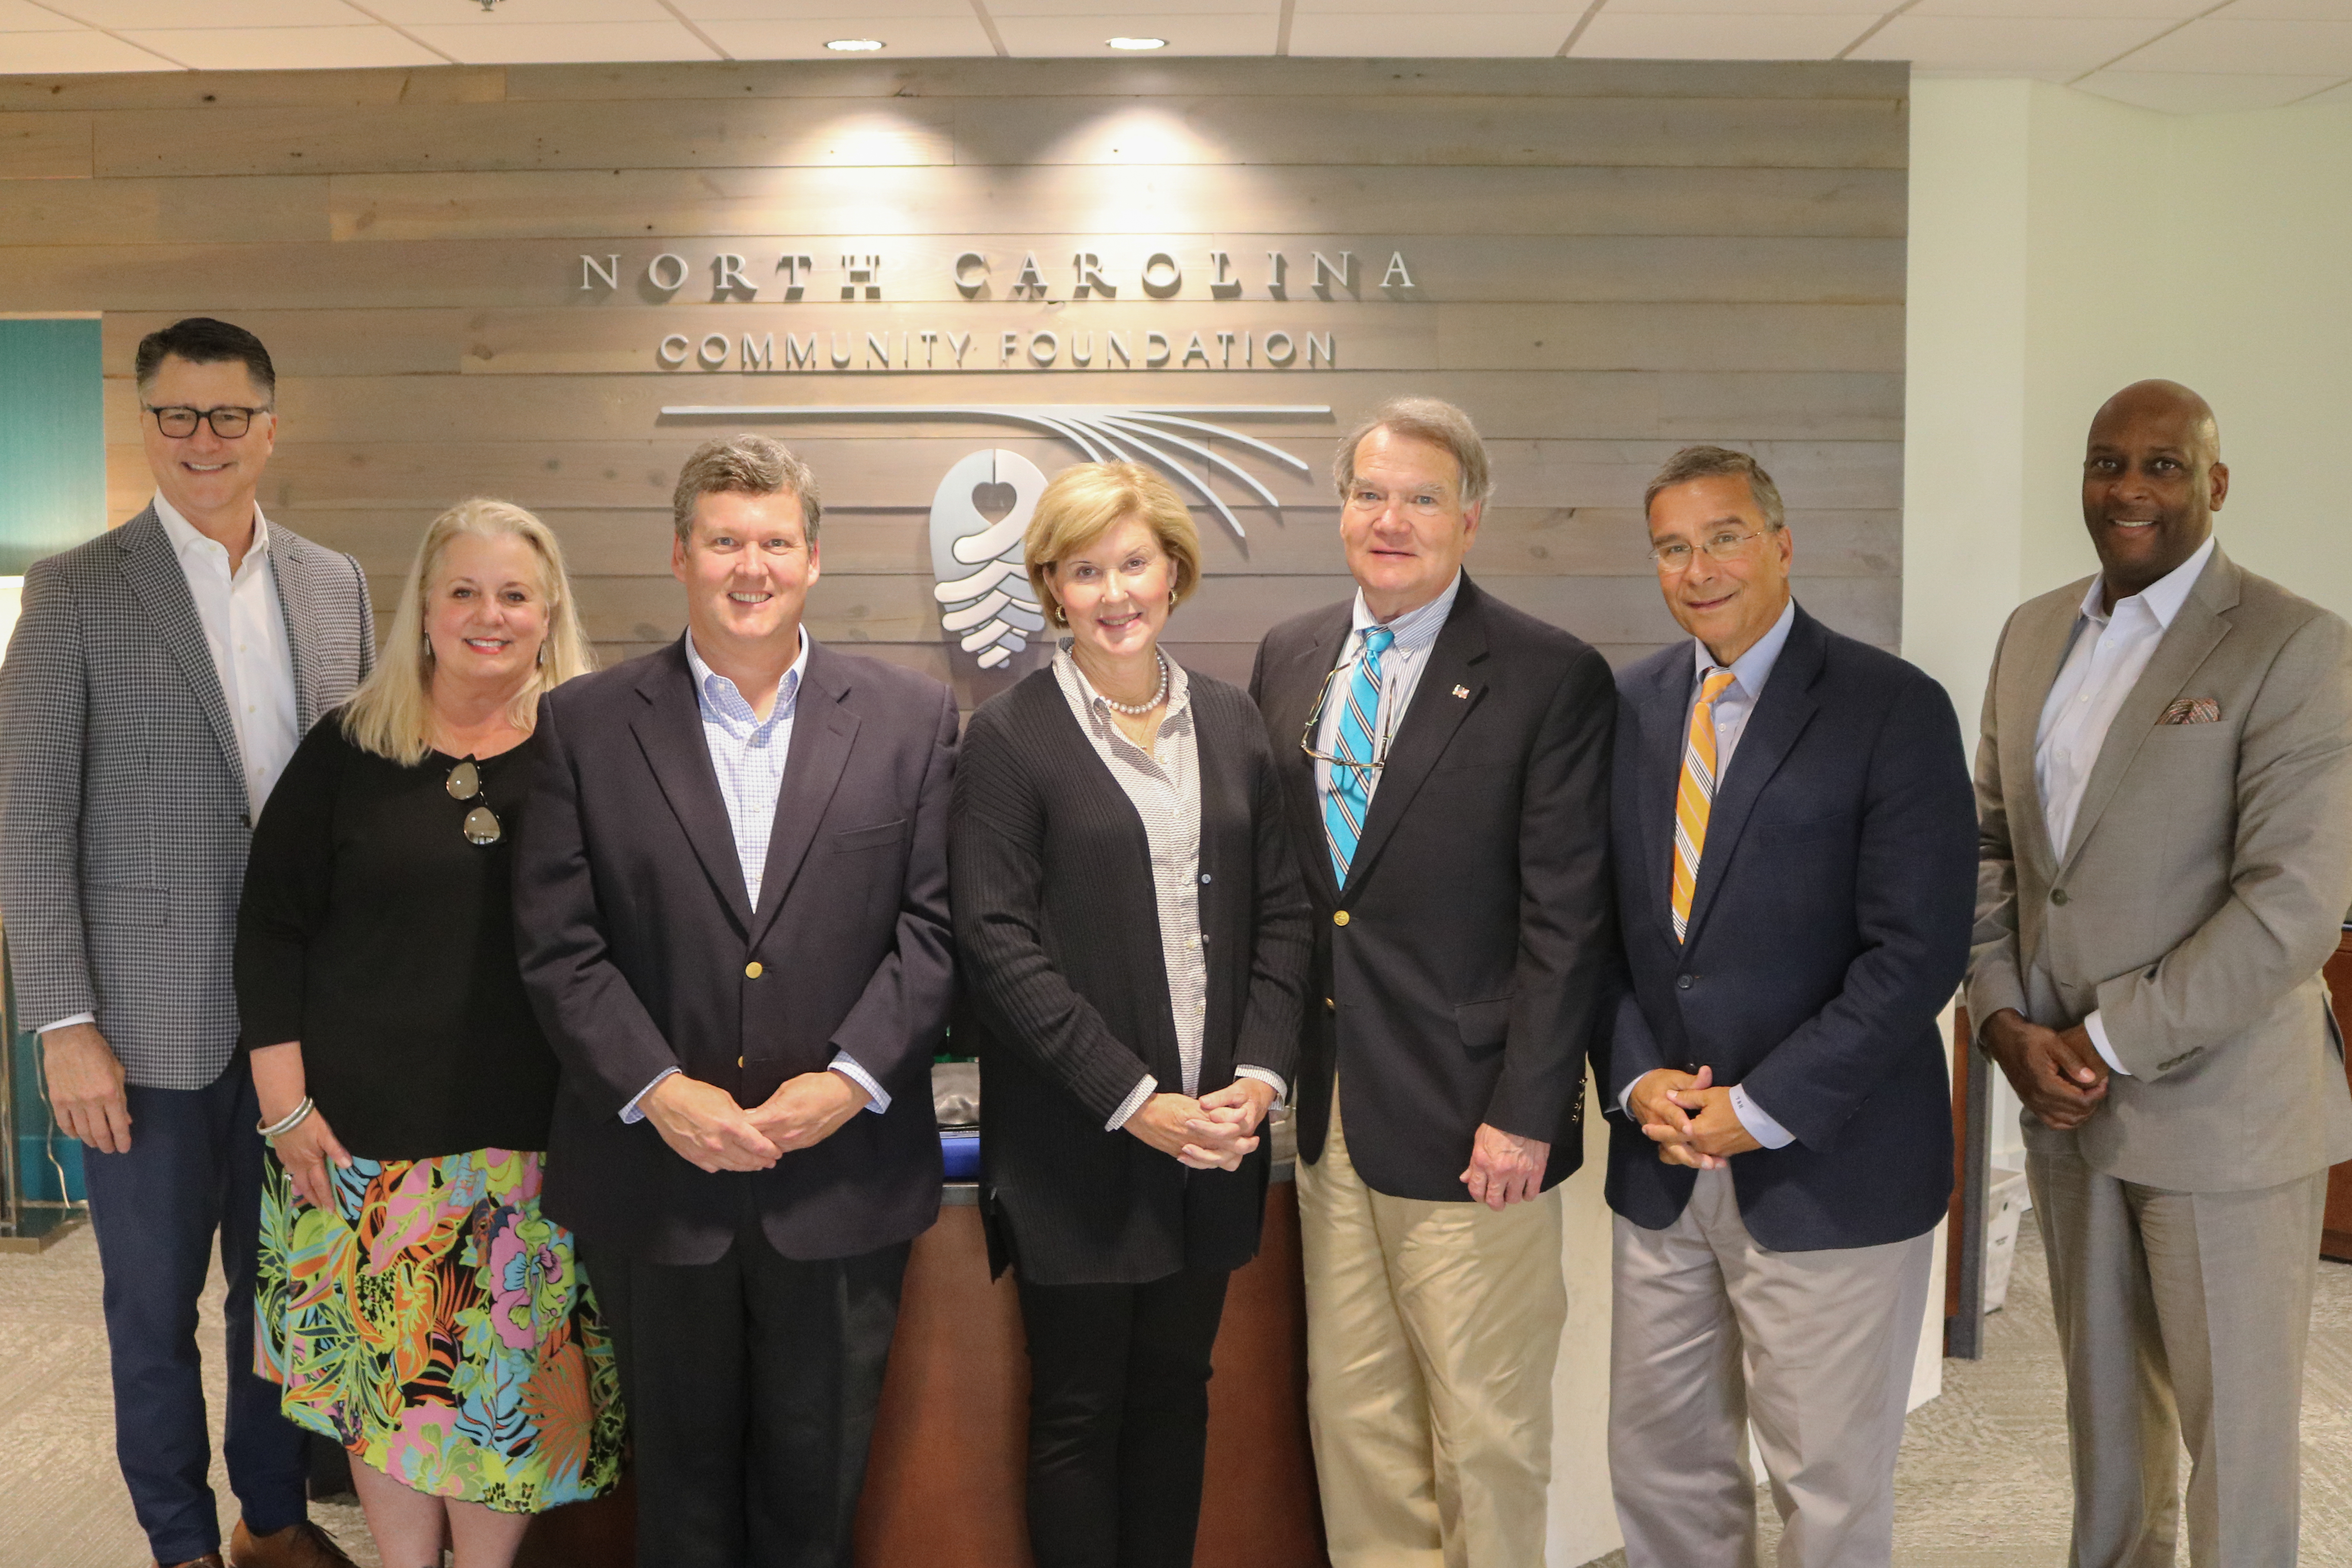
point(2336, 1233)
point(944, 1484)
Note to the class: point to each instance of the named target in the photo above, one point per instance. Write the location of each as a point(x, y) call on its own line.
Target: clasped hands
point(1210, 1133)
point(1690, 1118)
point(2058, 1073)
point(702, 1122)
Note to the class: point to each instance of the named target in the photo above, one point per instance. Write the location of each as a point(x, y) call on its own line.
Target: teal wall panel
point(52, 496)
point(52, 440)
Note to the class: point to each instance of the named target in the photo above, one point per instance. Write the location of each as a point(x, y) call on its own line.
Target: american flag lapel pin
point(1462, 691)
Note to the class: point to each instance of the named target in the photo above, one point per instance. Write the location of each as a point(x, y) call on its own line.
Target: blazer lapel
point(152, 569)
point(823, 733)
point(1436, 712)
point(1300, 682)
point(1779, 718)
point(297, 608)
point(669, 733)
point(1664, 712)
point(2184, 646)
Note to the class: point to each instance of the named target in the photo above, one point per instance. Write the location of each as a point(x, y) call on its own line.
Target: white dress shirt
point(1416, 632)
point(2108, 653)
point(1163, 785)
point(244, 631)
point(1733, 706)
point(749, 754)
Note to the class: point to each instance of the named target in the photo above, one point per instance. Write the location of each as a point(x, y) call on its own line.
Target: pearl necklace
point(1137, 711)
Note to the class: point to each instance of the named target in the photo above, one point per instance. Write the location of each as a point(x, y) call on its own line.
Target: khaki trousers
point(1709, 1329)
point(1432, 1330)
point(2182, 1317)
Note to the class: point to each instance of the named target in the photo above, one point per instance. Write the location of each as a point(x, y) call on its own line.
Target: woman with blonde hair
point(1132, 934)
point(412, 1300)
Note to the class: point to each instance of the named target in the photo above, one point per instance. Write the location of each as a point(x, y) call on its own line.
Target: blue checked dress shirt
point(749, 754)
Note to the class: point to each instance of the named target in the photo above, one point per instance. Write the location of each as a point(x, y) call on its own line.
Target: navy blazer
point(641, 951)
point(1829, 928)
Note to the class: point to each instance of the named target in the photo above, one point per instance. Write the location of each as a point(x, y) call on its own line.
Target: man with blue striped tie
point(1445, 760)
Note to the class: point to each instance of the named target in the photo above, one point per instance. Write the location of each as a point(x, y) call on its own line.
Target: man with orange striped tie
point(1795, 847)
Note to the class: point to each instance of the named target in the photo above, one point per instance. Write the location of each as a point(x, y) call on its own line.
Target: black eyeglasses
point(481, 824)
point(1364, 770)
point(229, 424)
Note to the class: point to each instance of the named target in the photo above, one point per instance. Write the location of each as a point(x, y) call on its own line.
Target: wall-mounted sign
point(1101, 341)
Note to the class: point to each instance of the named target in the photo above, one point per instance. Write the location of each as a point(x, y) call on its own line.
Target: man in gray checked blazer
point(2165, 789)
point(159, 679)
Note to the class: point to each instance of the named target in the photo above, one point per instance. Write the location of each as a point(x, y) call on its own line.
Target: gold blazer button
point(752, 970)
point(1339, 917)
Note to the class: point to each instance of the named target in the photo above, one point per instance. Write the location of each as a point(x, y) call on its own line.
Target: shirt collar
point(2162, 597)
point(185, 536)
point(1751, 669)
point(1066, 669)
point(717, 694)
point(1417, 628)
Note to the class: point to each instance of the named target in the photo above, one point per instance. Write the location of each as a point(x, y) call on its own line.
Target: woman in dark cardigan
point(1133, 941)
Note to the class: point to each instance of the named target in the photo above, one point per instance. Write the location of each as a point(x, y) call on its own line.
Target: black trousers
point(193, 1171)
point(1119, 1418)
point(751, 1384)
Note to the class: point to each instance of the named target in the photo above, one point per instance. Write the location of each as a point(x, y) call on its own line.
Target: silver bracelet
point(271, 1131)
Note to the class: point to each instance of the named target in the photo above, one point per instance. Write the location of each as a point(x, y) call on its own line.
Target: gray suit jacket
point(123, 813)
point(2204, 885)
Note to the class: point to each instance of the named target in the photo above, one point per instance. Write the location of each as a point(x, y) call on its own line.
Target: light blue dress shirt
point(1733, 708)
point(749, 754)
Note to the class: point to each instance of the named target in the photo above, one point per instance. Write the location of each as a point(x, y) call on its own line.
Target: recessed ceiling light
point(854, 46)
point(1137, 43)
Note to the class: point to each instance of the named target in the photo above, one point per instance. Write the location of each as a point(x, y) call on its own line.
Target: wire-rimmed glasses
point(1365, 772)
point(1723, 545)
point(481, 824)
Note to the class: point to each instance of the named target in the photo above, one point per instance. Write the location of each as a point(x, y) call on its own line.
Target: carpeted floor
point(1982, 1481)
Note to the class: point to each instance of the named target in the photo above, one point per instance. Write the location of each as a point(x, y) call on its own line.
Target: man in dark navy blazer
point(1795, 847)
point(730, 894)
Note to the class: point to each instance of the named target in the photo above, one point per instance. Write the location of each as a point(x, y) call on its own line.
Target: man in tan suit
point(2165, 783)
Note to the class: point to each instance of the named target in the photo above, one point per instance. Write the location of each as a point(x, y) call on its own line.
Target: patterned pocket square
point(2192, 710)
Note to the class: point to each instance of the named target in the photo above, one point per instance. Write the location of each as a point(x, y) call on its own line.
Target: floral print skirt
point(437, 1325)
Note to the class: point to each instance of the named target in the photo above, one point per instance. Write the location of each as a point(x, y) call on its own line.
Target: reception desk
point(944, 1486)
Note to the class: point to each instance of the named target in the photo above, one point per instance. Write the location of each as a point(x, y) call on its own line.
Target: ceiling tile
point(1870, 9)
point(2231, 44)
point(1355, 33)
point(1557, 19)
point(516, 12)
point(46, 53)
point(1124, 24)
point(910, 37)
point(556, 43)
point(1658, 36)
point(2194, 92)
point(2162, 11)
point(2288, 10)
point(1039, 37)
point(126, 15)
point(2008, 45)
point(16, 16)
point(833, 14)
point(2340, 93)
point(286, 48)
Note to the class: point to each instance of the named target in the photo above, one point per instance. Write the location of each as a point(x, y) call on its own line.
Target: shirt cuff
point(634, 1111)
point(1758, 1122)
point(2098, 1033)
point(1132, 1103)
point(848, 1069)
point(1269, 1077)
point(68, 1023)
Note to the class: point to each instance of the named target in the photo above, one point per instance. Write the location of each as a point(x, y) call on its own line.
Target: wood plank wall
point(1610, 259)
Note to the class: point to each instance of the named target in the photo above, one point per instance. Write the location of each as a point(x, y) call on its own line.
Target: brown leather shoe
point(209, 1560)
point(302, 1545)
